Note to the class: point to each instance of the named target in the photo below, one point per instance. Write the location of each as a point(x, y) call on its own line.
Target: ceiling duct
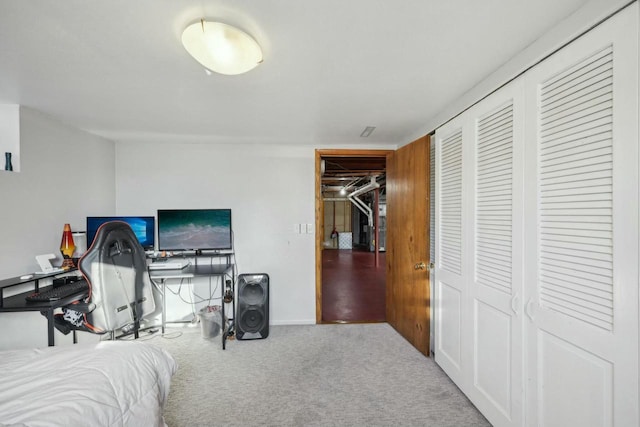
point(353, 197)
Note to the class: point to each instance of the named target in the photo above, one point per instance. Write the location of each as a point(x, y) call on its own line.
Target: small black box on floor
point(253, 306)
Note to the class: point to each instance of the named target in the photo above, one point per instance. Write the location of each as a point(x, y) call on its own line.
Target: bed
point(110, 383)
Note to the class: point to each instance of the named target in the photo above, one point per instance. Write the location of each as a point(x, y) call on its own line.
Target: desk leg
point(224, 323)
point(50, 327)
point(164, 304)
point(224, 320)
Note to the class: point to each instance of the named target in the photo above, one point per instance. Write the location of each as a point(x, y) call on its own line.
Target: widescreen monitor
point(194, 229)
point(144, 228)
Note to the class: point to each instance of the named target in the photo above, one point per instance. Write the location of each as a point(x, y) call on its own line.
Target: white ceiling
point(331, 67)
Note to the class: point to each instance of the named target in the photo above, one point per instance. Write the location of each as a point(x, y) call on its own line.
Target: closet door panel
point(451, 347)
point(591, 377)
point(432, 241)
point(582, 230)
point(479, 268)
point(492, 377)
point(451, 203)
point(496, 233)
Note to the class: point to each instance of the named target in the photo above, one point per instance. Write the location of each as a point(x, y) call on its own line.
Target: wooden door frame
point(320, 153)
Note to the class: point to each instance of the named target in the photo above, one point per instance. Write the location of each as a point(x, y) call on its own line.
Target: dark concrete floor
point(353, 288)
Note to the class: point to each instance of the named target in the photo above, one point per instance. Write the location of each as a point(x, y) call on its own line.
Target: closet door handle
point(528, 309)
point(514, 304)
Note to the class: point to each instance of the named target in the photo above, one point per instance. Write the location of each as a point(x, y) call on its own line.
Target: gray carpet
point(313, 375)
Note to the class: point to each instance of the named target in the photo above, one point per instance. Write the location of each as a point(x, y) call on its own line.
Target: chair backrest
point(116, 269)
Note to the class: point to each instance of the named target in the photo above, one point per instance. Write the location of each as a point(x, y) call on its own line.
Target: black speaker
point(253, 307)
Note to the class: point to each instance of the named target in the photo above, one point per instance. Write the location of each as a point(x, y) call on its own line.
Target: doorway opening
point(350, 236)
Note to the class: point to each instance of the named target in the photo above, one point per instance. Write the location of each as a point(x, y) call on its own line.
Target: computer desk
point(196, 270)
point(17, 303)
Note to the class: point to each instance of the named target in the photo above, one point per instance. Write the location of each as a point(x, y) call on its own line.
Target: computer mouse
point(26, 276)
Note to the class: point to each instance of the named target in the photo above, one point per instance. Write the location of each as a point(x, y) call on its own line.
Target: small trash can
point(210, 321)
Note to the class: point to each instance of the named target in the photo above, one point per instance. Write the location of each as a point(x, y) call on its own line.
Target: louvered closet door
point(495, 150)
point(432, 239)
point(582, 231)
point(479, 254)
point(451, 351)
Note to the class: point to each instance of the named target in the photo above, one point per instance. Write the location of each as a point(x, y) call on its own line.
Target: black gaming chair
point(120, 291)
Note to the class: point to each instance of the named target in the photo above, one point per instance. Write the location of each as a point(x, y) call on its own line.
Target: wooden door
point(408, 305)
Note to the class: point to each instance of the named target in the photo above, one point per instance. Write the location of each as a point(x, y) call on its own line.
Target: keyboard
point(60, 292)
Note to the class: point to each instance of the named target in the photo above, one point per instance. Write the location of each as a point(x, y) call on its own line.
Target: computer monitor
point(144, 228)
point(194, 229)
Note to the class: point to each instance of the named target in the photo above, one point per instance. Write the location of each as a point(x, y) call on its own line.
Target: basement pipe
point(363, 207)
point(353, 198)
point(365, 189)
point(376, 207)
point(360, 204)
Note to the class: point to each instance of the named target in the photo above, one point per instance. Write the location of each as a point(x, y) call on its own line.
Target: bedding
point(110, 383)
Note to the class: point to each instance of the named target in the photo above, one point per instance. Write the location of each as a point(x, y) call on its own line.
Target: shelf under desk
point(189, 272)
point(33, 278)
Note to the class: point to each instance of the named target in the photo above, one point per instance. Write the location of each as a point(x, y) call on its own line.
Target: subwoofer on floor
point(253, 307)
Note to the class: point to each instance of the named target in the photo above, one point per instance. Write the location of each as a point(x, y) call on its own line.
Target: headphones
point(228, 294)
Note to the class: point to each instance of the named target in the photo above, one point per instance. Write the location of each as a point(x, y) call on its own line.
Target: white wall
point(65, 175)
point(269, 189)
point(574, 25)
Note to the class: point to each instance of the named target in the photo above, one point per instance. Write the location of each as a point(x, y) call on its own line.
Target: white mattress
point(111, 383)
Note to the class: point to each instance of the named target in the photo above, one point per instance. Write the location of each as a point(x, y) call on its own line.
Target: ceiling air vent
point(367, 131)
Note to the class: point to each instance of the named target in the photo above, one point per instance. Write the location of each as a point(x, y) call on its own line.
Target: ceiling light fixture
point(221, 48)
point(367, 131)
